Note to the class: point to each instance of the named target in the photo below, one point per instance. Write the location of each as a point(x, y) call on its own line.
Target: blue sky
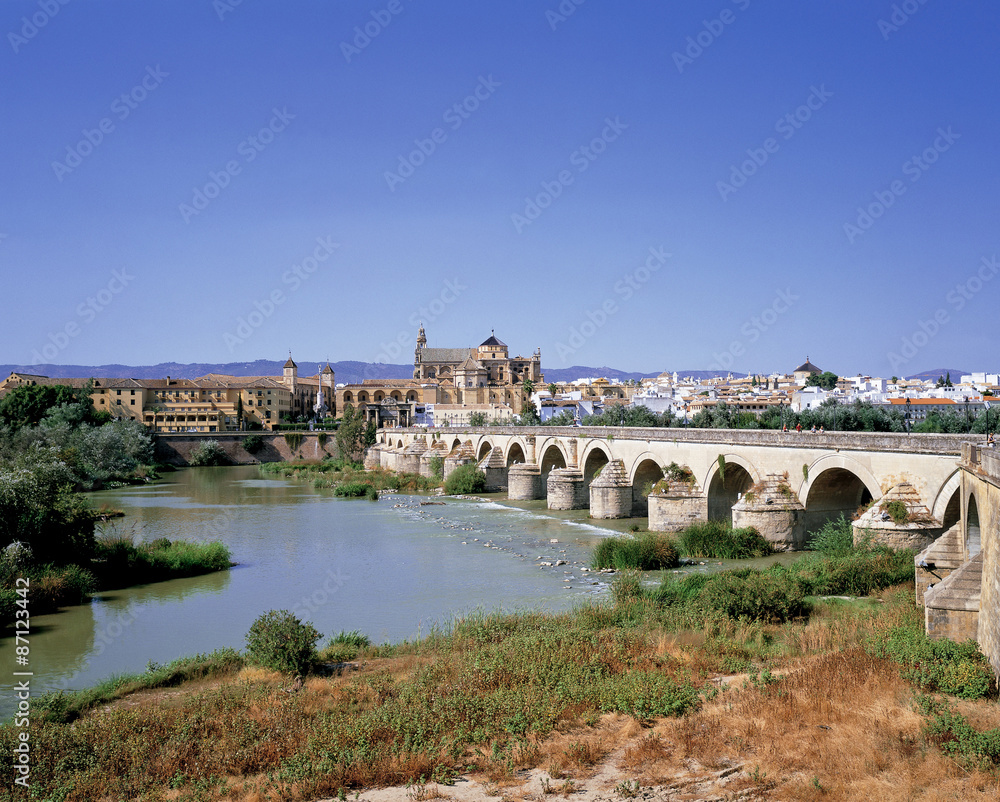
point(643, 185)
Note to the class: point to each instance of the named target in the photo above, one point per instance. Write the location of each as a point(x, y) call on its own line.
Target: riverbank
point(532, 704)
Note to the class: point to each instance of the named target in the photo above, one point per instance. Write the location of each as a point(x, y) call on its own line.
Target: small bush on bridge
point(648, 551)
point(718, 540)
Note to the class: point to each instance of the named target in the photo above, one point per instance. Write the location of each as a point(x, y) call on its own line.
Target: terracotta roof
point(921, 401)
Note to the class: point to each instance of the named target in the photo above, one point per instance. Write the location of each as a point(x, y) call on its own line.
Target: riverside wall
point(176, 449)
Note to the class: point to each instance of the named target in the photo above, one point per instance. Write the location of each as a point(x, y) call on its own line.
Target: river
point(393, 569)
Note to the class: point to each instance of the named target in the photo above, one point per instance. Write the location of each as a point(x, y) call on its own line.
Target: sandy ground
point(608, 782)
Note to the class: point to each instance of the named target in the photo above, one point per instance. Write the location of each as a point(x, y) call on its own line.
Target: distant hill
point(583, 372)
point(347, 372)
point(934, 375)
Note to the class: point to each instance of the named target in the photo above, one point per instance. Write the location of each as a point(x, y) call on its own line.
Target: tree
point(825, 380)
point(351, 434)
point(28, 404)
point(528, 388)
point(477, 419)
point(529, 415)
point(552, 388)
point(239, 412)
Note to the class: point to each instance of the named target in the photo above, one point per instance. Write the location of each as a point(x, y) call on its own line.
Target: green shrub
point(856, 574)
point(772, 595)
point(345, 646)
point(953, 733)
point(354, 490)
point(896, 510)
point(834, 539)
point(209, 452)
point(253, 443)
point(649, 551)
point(437, 467)
point(294, 440)
point(959, 669)
point(280, 641)
point(465, 479)
point(718, 540)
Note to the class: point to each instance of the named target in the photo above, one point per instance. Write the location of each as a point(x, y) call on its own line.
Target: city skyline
point(724, 185)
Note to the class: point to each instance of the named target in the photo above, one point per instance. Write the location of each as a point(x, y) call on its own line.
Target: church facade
point(486, 377)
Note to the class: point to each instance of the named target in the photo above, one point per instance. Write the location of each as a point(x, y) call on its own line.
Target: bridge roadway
point(830, 472)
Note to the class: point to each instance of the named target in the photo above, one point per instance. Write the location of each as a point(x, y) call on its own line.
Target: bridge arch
point(456, 443)
point(515, 452)
point(973, 535)
point(723, 492)
point(550, 456)
point(399, 444)
point(645, 472)
point(947, 507)
point(594, 457)
point(837, 484)
point(485, 447)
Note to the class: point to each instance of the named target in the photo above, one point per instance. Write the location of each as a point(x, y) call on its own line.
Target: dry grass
point(843, 727)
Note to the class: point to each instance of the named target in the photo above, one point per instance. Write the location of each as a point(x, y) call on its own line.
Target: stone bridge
point(796, 480)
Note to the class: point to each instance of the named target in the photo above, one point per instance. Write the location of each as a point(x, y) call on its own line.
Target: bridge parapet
point(898, 442)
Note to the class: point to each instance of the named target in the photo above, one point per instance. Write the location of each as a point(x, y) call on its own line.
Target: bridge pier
point(460, 455)
point(524, 482)
point(675, 504)
point(373, 457)
point(610, 492)
point(437, 449)
point(495, 469)
point(899, 520)
point(773, 509)
point(409, 460)
point(565, 490)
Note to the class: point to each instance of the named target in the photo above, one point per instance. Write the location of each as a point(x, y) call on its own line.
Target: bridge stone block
point(773, 509)
point(460, 455)
point(565, 490)
point(437, 449)
point(912, 528)
point(373, 457)
point(611, 492)
point(495, 469)
point(524, 482)
point(409, 460)
point(675, 503)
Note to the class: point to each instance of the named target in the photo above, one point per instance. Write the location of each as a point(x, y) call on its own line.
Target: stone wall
point(983, 481)
point(176, 449)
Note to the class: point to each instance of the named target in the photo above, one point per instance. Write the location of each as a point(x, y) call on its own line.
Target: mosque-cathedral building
point(456, 381)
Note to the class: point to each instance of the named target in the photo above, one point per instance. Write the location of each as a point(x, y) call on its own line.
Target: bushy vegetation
point(719, 540)
point(253, 443)
point(280, 641)
point(647, 551)
point(958, 669)
point(349, 480)
point(956, 736)
point(65, 707)
point(465, 479)
point(209, 452)
point(345, 646)
point(119, 561)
